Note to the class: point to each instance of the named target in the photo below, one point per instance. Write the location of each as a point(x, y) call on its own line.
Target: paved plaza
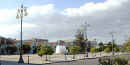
point(55, 60)
point(78, 62)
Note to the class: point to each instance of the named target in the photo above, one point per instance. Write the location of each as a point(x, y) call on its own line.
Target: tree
point(107, 50)
point(36, 49)
point(93, 50)
point(45, 50)
point(112, 46)
point(25, 48)
point(74, 50)
point(80, 41)
point(127, 46)
point(11, 49)
point(101, 46)
point(116, 49)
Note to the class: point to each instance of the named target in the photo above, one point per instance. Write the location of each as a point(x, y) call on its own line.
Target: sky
point(59, 4)
point(60, 19)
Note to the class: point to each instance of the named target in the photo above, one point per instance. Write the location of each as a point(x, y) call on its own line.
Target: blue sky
point(59, 4)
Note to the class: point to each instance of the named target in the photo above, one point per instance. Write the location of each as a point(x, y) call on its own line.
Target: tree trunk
point(73, 56)
point(46, 58)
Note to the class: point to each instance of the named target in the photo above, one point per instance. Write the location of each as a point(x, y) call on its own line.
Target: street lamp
point(20, 13)
point(112, 34)
point(0, 52)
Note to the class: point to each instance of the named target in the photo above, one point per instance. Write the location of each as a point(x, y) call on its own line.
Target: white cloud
point(41, 10)
point(10, 26)
point(6, 15)
point(91, 7)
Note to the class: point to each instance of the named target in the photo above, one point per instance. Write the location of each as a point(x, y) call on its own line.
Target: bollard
point(0, 62)
point(65, 57)
point(28, 59)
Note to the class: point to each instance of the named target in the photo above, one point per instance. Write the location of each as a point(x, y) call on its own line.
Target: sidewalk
point(15, 63)
point(37, 60)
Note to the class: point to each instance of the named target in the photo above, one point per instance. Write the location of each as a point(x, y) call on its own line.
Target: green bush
point(116, 49)
point(114, 61)
point(123, 49)
point(74, 50)
point(120, 61)
point(107, 50)
point(45, 50)
point(93, 50)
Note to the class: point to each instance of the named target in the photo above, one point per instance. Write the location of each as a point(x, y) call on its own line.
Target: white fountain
point(60, 49)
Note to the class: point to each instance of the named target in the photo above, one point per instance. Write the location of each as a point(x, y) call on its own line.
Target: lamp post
point(0, 52)
point(20, 13)
point(112, 34)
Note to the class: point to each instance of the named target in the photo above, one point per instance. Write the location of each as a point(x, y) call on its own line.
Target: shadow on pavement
point(2, 62)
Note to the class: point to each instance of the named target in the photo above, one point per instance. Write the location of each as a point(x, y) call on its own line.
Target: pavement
point(53, 60)
point(78, 62)
point(14, 63)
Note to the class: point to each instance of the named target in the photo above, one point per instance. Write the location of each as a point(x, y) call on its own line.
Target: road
point(79, 62)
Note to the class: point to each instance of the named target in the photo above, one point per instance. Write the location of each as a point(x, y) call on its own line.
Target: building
point(53, 44)
point(6, 44)
point(91, 44)
point(38, 42)
point(33, 43)
point(69, 43)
